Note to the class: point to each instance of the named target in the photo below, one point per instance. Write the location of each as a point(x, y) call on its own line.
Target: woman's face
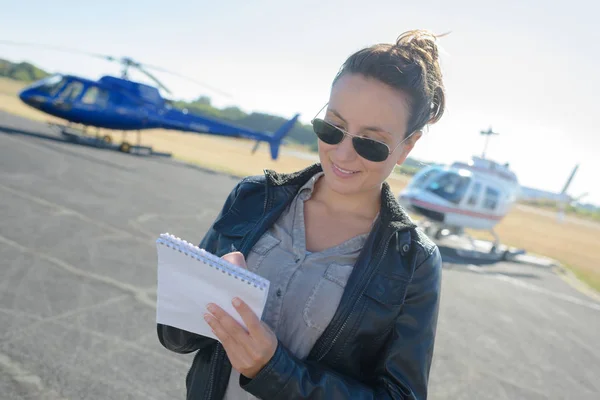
point(365, 107)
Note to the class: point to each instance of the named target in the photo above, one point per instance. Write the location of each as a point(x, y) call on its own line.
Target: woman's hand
point(248, 351)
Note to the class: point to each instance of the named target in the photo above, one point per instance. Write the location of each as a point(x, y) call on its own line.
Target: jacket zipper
point(213, 367)
point(354, 299)
point(217, 356)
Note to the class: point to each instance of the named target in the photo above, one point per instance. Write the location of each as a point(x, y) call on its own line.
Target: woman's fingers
point(227, 323)
point(236, 258)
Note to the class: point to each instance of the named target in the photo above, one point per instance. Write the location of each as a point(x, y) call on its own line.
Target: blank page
point(189, 278)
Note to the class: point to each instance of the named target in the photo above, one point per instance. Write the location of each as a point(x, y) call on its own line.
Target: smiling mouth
point(344, 171)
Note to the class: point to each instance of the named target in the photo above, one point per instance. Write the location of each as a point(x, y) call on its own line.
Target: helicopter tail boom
point(184, 121)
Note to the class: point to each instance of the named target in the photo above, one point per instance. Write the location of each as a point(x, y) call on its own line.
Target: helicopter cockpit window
point(421, 177)
point(450, 186)
point(491, 198)
point(96, 96)
point(71, 91)
point(51, 85)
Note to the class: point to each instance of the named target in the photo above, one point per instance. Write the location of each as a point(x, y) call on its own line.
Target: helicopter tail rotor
point(275, 140)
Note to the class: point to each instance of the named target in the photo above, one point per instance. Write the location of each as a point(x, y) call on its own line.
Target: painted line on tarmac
point(535, 288)
point(69, 211)
point(26, 379)
point(140, 294)
point(21, 141)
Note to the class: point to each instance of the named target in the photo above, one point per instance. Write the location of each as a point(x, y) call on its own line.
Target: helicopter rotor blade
point(149, 75)
point(58, 48)
point(125, 61)
point(160, 69)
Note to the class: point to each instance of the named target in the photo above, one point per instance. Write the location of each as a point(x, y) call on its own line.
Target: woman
point(355, 287)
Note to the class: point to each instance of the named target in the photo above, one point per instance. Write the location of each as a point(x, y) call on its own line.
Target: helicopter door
point(491, 199)
point(474, 195)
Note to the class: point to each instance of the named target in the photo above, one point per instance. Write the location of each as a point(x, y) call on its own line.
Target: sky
point(530, 71)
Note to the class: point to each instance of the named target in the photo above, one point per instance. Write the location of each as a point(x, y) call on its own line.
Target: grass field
point(574, 244)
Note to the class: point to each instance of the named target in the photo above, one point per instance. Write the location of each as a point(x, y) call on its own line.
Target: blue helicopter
point(118, 103)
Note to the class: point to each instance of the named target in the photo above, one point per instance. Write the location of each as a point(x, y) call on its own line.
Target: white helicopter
point(475, 195)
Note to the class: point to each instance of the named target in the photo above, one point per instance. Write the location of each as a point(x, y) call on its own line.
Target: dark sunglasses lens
point(327, 133)
point(370, 149)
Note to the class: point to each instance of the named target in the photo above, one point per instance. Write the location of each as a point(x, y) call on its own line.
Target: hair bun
point(410, 65)
point(420, 41)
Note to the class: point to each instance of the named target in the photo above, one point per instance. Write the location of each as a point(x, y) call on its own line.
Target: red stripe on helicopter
point(444, 209)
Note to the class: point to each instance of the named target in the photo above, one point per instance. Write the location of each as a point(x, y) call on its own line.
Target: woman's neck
point(363, 205)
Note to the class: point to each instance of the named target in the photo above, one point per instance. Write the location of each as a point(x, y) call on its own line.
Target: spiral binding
point(184, 247)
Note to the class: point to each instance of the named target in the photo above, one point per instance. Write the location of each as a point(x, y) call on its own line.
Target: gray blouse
point(305, 289)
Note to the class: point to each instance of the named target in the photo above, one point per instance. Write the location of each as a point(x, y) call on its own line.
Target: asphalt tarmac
point(78, 280)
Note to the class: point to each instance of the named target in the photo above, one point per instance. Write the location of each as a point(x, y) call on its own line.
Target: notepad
point(189, 278)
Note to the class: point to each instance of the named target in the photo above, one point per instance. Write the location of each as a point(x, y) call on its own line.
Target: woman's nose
point(345, 149)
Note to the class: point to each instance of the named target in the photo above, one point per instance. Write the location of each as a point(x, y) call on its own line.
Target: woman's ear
point(408, 146)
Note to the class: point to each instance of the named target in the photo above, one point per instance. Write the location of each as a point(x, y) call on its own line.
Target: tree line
point(24, 71)
point(301, 134)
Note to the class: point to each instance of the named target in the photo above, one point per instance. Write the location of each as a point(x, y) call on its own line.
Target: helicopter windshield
point(50, 85)
point(424, 175)
point(450, 186)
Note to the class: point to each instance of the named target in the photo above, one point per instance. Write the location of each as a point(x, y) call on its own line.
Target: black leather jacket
point(380, 342)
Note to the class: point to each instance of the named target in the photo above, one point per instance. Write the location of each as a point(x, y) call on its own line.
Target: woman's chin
point(340, 185)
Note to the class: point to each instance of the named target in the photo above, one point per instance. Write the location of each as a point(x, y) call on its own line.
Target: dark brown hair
point(410, 65)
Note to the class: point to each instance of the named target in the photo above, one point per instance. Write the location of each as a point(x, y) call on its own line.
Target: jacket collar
point(391, 214)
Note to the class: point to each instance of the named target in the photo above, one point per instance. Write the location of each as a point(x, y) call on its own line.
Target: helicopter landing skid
point(467, 247)
point(105, 141)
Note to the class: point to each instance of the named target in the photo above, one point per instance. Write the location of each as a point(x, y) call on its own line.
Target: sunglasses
point(369, 149)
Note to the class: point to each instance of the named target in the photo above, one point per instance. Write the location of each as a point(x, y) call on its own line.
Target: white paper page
point(186, 286)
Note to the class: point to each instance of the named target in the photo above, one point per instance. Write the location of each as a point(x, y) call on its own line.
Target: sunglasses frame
point(346, 133)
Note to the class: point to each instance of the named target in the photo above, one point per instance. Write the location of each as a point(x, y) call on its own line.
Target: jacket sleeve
point(176, 339)
point(402, 371)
